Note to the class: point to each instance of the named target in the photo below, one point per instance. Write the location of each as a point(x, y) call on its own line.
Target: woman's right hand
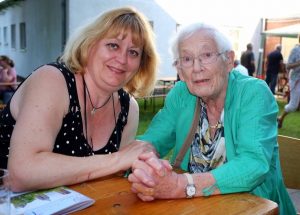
point(131, 152)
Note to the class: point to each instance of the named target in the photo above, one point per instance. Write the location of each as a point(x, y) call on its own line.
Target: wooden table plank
point(113, 196)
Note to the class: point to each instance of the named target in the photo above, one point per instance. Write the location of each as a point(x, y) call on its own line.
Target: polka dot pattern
point(70, 139)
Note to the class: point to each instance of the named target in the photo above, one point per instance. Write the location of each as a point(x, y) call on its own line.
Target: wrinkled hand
point(153, 178)
point(130, 152)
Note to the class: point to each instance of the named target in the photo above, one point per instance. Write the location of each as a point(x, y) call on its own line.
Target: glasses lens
point(204, 58)
point(186, 61)
point(208, 57)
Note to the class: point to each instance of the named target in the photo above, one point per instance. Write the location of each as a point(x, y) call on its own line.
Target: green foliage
point(147, 112)
point(9, 3)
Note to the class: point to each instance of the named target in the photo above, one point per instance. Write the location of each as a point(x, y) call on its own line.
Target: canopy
point(287, 31)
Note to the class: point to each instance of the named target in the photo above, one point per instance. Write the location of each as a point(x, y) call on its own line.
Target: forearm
point(204, 183)
point(47, 169)
point(293, 65)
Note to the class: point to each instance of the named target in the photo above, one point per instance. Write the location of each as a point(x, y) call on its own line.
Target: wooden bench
point(160, 91)
point(152, 99)
point(289, 153)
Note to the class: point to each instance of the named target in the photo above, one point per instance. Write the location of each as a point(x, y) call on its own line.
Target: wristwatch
point(190, 189)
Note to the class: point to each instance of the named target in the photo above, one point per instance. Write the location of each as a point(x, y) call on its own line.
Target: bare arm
point(39, 108)
point(292, 65)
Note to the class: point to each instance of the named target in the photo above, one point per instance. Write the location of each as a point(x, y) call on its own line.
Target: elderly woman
point(234, 146)
point(73, 120)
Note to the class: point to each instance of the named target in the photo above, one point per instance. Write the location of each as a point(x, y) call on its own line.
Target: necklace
point(217, 125)
point(94, 109)
point(85, 118)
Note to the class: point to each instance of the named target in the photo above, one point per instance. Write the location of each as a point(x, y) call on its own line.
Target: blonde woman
point(72, 120)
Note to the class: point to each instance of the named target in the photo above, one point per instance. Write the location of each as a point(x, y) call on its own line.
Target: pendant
point(218, 125)
point(93, 111)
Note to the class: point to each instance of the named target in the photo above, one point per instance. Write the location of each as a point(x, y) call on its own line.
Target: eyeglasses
point(204, 58)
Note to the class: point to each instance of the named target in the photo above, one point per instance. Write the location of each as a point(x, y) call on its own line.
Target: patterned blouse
point(70, 139)
point(207, 152)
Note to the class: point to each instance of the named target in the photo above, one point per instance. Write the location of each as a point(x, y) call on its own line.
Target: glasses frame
point(213, 59)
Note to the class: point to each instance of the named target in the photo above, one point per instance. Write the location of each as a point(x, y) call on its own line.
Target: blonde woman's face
point(112, 62)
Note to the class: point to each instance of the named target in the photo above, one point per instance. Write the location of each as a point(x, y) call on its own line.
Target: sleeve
point(254, 140)
point(292, 56)
point(161, 131)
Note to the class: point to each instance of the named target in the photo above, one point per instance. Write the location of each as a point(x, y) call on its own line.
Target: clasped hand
point(153, 178)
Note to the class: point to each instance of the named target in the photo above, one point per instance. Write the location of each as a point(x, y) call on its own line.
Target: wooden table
point(9, 84)
point(113, 196)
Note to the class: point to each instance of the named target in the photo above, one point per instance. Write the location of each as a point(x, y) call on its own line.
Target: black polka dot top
point(70, 139)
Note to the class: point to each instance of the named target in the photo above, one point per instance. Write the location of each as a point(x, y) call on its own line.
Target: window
point(22, 35)
point(0, 36)
point(177, 26)
point(13, 36)
point(5, 36)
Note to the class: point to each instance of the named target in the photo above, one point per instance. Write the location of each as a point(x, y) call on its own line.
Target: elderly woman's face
point(202, 67)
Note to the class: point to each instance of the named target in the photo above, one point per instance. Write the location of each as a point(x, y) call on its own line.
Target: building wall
point(43, 19)
point(46, 28)
point(272, 41)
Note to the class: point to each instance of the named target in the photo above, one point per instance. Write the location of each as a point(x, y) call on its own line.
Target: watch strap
point(189, 178)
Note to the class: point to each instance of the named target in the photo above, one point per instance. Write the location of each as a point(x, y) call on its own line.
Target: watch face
point(190, 190)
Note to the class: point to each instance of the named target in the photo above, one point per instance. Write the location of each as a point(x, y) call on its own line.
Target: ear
point(230, 60)
point(179, 70)
point(180, 73)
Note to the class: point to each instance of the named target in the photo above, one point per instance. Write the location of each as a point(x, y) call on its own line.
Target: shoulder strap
point(189, 138)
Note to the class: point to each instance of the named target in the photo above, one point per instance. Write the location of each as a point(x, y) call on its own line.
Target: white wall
point(43, 20)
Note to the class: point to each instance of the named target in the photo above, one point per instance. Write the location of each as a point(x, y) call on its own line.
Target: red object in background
point(260, 76)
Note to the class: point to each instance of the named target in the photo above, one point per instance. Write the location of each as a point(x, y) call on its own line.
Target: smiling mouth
point(201, 81)
point(116, 70)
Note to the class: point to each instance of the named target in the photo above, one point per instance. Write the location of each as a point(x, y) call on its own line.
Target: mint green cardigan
point(250, 125)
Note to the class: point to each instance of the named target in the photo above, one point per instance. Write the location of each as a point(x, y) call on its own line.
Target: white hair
point(223, 43)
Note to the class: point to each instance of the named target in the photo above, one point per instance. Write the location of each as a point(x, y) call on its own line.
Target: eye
point(133, 53)
point(206, 55)
point(112, 46)
point(187, 58)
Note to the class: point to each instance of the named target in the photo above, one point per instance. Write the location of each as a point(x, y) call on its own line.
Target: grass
point(291, 126)
point(147, 112)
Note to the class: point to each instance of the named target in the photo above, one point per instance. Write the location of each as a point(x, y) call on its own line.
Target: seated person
point(239, 67)
point(8, 75)
point(73, 120)
point(234, 145)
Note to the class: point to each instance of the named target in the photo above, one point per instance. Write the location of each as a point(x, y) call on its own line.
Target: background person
point(239, 67)
point(8, 74)
point(293, 67)
point(248, 60)
point(274, 66)
point(234, 148)
point(73, 120)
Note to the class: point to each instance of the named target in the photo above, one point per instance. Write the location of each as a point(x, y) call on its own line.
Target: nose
point(122, 57)
point(198, 65)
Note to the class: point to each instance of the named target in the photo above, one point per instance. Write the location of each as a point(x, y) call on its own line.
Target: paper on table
point(60, 200)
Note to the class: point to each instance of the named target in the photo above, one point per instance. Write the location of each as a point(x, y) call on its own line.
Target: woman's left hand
point(153, 178)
